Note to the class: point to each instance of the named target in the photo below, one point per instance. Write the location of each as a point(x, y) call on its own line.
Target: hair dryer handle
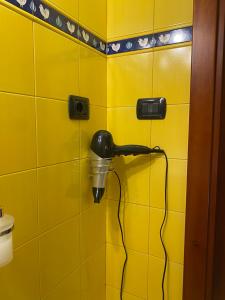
point(131, 150)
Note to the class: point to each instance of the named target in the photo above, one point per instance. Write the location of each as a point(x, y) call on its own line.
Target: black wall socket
point(79, 108)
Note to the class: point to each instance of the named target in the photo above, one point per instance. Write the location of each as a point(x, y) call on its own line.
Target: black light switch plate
point(79, 108)
point(151, 109)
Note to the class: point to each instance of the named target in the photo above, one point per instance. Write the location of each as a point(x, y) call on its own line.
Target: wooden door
point(204, 263)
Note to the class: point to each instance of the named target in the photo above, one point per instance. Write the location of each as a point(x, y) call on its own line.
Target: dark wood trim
point(205, 156)
point(217, 257)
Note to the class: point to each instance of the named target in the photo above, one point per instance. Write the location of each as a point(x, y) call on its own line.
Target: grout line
point(143, 253)
point(66, 100)
point(77, 268)
point(79, 92)
point(146, 206)
point(92, 104)
point(51, 98)
point(41, 167)
point(59, 163)
point(38, 238)
point(150, 50)
point(35, 89)
point(134, 106)
point(129, 249)
point(43, 97)
point(17, 93)
point(125, 292)
point(80, 179)
point(170, 261)
point(92, 255)
point(107, 128)
point(41, 234)
point(61, 281)
point(18, 172)
point(150, 158)
point(36, 139)
point(39, 268)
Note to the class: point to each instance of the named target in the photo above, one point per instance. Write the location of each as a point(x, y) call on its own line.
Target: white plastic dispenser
point(6, 242)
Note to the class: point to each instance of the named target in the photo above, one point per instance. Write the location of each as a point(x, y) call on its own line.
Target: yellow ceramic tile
point(58, 193)
point(59, 254)
point(93, 76)
point(129, 78)
point(176, 184)
point(93, 15)
point(175, 88)
point(97, 121)
point(57, 135)
point(93, 276)
point(56, 63)
point(136, 274)
point(126, 128)
point(92, 234)
point(134, 172)
point(69, 6)
point(18, 198)
point(173, 235)
point(173, 282)
point(171, 134)
point(69, 288)
point(172, 13)
point(17, 133)
point(114, 294)
point(85, 185)
point(16, 51)
point(125, 18)
point(20, 279)
point(136, 223)
point(134, 176)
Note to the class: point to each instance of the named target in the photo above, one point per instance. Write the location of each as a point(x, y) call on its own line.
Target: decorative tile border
point(55, 18)
point(148, 41)
point(23, 4)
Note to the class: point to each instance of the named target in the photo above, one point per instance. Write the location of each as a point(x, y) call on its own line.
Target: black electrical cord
point(163, 225)
point(164, 219)
point(161, 229)
point(122, 236)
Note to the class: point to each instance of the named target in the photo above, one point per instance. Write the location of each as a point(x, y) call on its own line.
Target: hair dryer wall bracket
point(103, 150)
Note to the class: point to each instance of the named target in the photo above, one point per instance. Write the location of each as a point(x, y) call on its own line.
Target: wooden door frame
point(204, 263)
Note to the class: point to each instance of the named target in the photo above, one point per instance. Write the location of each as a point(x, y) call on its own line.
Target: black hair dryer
point(102, 151)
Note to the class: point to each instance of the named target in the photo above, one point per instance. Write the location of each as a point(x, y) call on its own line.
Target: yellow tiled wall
point(163, 72)
point(66, 247)
point(59, 235)
point(92, 15)
point(126, 18)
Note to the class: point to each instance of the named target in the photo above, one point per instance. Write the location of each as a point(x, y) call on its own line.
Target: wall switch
point(151, 109)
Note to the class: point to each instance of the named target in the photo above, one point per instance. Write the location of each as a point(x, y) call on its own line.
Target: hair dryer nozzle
point(98, 194)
